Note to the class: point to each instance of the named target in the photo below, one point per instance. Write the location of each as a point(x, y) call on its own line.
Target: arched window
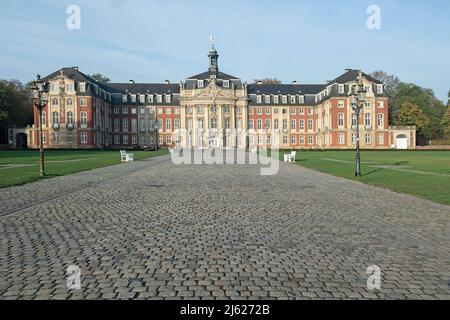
point(70, 117)
point(44, 118)
point(69, 101)
point(83, 118)
point(380, 120)
point(55, 102)
point(284, 124)
point(340, 119)
point(275, 124)
point(55, 117)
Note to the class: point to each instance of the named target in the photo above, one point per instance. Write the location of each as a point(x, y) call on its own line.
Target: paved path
point(150, 229)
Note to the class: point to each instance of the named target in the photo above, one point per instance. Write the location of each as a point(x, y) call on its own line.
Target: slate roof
point(206, 75)
point(285, 89)
point(352, 75)
point(143, 88)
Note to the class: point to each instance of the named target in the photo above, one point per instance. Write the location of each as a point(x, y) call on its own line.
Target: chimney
point(76, 68)
point(259, 82)
point(167, 82)
point(294, 82)
point(132, 81)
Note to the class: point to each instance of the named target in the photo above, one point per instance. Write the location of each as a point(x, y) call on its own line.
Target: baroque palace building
point(214, 109)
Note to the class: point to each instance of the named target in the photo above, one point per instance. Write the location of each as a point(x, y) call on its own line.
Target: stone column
point(194, 126)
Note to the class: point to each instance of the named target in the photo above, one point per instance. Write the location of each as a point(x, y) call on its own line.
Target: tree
point(100, 78)
point(16, 104)
point(446, 123)
point(423, 98)
point(391, 82)
point(411, 115)
point(268, 81)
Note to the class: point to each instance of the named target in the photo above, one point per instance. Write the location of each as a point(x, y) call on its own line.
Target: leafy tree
point(411, 115)
point(426, 101)
point(268, 81)
point(100, 78)
point(16, 105)
point(446, 123)
point(391, 82)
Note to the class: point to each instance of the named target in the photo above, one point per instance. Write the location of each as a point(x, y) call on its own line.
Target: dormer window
point(124, 98)
point(200, 83)
point(379, 88)
point(267, 99)
point(301, 99)
point(341, 89)
point(226, 83)
point(276, 99)
point(150, 98)
point(258, 99)
point(82, 87)
point(141, 98)
point(168, 98)
point(133, 98)
point(284, 99)
point(159, 98)
point(293, 99)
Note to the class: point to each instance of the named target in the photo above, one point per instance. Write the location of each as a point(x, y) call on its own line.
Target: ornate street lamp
point(40, 88)
point(359, 96)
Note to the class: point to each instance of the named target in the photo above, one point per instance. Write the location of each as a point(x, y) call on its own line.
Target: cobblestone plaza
point(153, 230)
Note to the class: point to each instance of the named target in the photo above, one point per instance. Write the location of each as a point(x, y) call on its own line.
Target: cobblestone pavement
point(153, 230)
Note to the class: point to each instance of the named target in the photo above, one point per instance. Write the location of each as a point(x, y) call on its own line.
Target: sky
point(157, 40)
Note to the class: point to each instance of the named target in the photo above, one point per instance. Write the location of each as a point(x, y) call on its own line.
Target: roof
point(142, 88)
point(207, 75)
point(352, 75)
point(285, 88)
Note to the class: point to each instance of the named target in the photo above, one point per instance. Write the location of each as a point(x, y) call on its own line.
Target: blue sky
point(151, 41)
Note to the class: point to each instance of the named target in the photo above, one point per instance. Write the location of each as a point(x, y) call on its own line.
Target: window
point(367, 120)
point(284, 111)
point(159, 98)
point(82, 87)
point(341, 89)
point(267, 99)
point(285, 139)
point(227, 123)
point(177, 124)
point(70, 137)
point(200, 123)
point(354, 120)
point(284, 99)
point(142, 125)
point(302, 124)
point(380, 89)
point(259, 112)
point(259, 124)
point(83, 117)
point(150, 98)
point(133, 98)
point(116, 110)
point(341, 138)
point(213, 123)
point(340, 119)
point(310, 112)
point(177, 110)
point(380, 120)
point(267, 124)
point(168, 124)
point(70, 117)
point(293, 111)
point(133, 111)
point(285, 125)
point(168, 98)
point(55, 117)
point(169, 139)
point(381, 138)
point(116, 139)
point(44, 118)
point(260, 139)
point(116, 124)
point(142, 111)
point(302, 111)
point(380, 104)
point(84, 138)
point(353, 138)
point(200, 83)
point(302, 139)
point(55, 102)
point(310, 124)
point(267, 111)
point(368, 138)
point(125, 139)
point(83, 102)
point(301, 99)
point(276, 99)
point(226, 109)
point(124, 110)
point(125, 124)
point(168, 111)
point(293, 124)
point(69, 102)
point(55, 137)
point(258, 99)
point(226, 83)
point(268, 139)
point(134, 139)
point(161, 141)
point(276, 124)
point(160, 111)
point(275, 111)
point(142, 98)
point(341, 104)
point(250, 124)
point(368, 104)
point(251, 140)
point(293, 140)
point(134, 125)
point(124, 98)
point(293, 100)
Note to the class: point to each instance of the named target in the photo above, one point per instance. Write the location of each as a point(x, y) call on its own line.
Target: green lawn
point(57, 163)
point(424, 174)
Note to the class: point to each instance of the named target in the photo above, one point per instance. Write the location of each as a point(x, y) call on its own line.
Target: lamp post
point(359, 96)
point(40, 88)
